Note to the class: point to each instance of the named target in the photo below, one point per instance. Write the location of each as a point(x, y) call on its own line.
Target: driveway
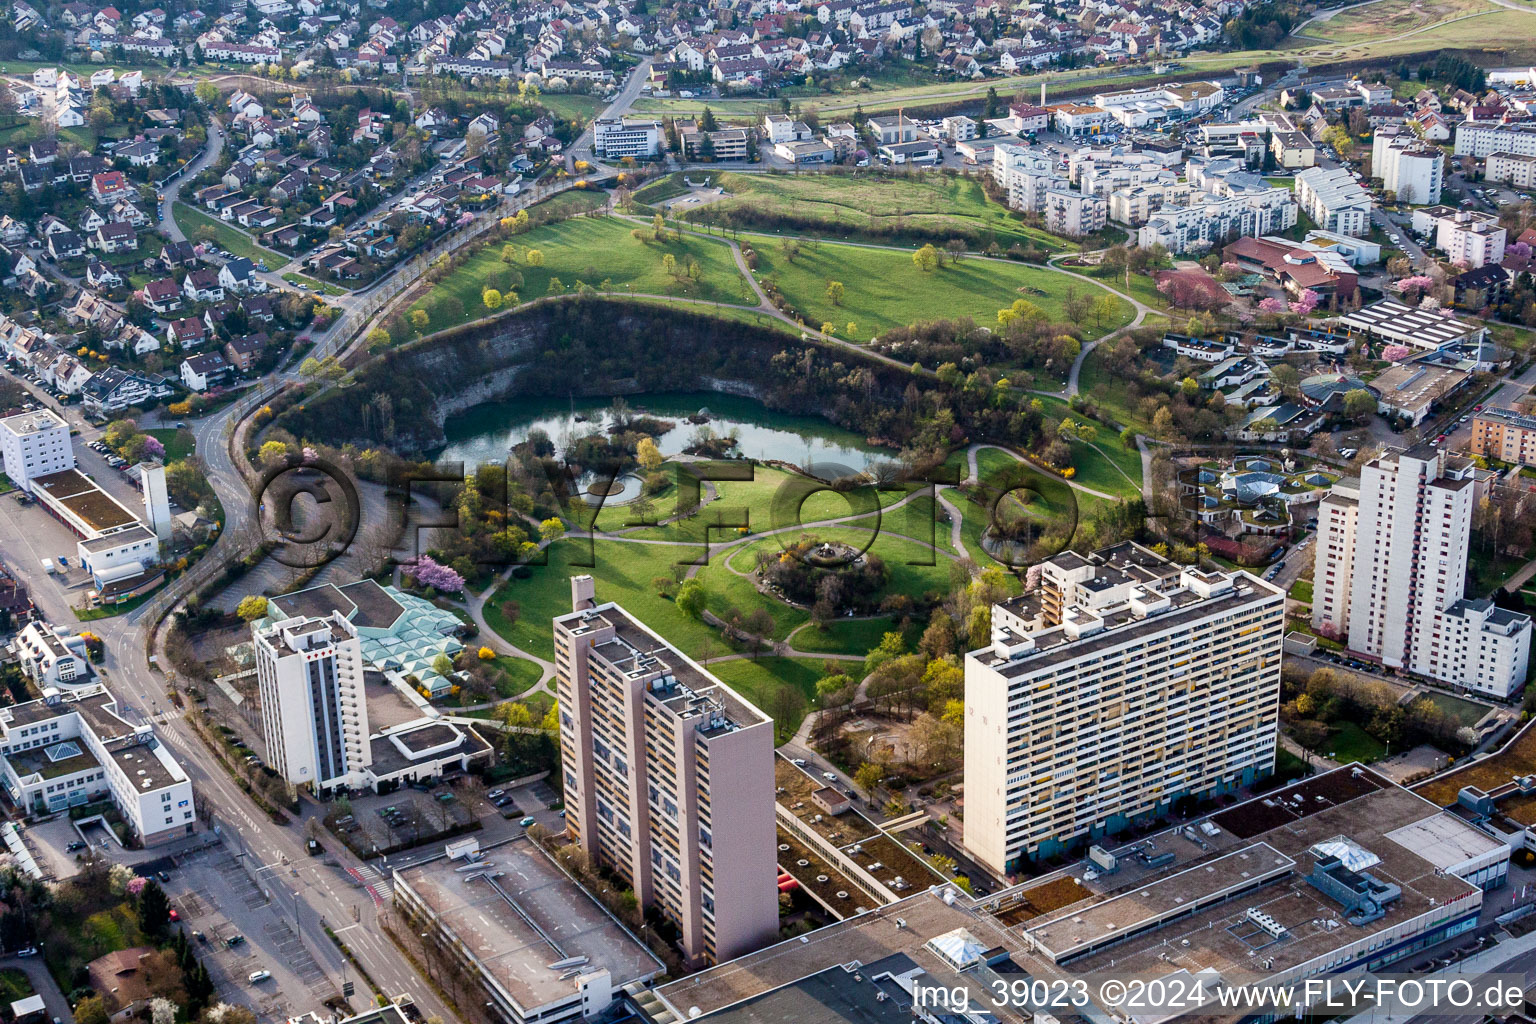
point(43, 984)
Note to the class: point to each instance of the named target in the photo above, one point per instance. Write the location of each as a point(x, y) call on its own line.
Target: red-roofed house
point(110, 186)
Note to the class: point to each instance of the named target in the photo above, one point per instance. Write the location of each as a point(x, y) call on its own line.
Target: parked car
point(496, 794)
point(27, 951)
point(258, 976)
point(78, 844)
point(164, 876)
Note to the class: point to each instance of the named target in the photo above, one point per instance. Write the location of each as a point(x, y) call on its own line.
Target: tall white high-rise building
point(313, 711)
point(669, 779)
point(1390, 576)
point(1122, 683)
point(34, 444)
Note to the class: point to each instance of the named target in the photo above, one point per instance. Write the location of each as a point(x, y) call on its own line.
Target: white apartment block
point(614, 138)
point(1072, 214)
point(1026, 174)
point(70, 749)
point(1207, 220)
point(1511, 169)
point(1465, 235)
point(314, 714)
point(34, 444)
point(669, 779)
point(1391, 569)
point(1480, 139)
point(1123, 683)
point(50, 658)
point(1407, 165)
point(1335, 201)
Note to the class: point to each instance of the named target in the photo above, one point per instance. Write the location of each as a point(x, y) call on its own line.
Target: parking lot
point(409, 817)
point(241, 917)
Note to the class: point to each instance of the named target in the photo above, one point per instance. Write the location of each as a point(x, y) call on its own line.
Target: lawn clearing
point(886, 209)
point(1466, 712)
point(178, 443)
point(198, 226)
point(599, 251)
point(1347, 742)
point(318, 287)
point(884, 289)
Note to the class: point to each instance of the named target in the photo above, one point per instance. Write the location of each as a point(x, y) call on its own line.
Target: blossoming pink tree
point(1306, 302)
point(429, 573)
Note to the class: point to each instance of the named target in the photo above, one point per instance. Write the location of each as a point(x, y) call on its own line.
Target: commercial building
point(358, 718)
point(399, 634)
point(1334, 200)
point(1391, 574)
point(1514, 169)
point(668, 778)
point(313, 712)
point(1407, 166)
point(121, 552)
point(1481, 139)
point(1122, 684)
point(1331, 875)
point(1393, 321)
point(1506, 435)
point(34, 444)
point(1414, 390)
point(614, 138)
point(1466, 236)
point(542, 950)
point(69, 749)
point(1135, 107)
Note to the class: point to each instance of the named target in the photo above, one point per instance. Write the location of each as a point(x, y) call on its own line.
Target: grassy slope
point(884, 289)
point(591, 249)
point(193, 221)
point(850, 206)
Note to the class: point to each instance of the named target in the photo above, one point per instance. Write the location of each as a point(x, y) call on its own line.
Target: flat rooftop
point(553, 919)
point(634, 648)
point(868, 939)
point(145, 768)
point(82, 498)
point(38, 421)
point(62, 758)
point(1353, 802)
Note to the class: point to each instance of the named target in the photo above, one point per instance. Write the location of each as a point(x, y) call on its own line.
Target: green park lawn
point(599, 251)
point(767, 501)
point(199, 226)
point(870, 207)
point(1348, 742)
point(515, 676)
point(178, 443)
point(884, 289)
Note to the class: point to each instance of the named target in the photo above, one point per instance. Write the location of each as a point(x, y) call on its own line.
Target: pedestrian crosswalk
point(377, 886)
